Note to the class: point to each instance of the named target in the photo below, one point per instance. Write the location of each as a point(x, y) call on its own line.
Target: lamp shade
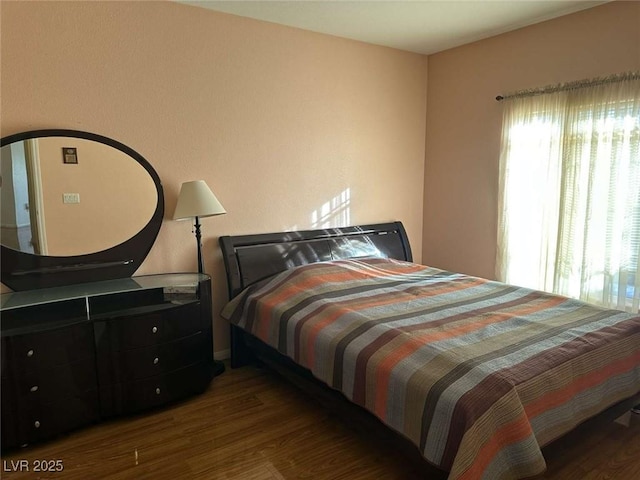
point(197, 200)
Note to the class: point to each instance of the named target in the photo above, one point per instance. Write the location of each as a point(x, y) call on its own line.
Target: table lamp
point(194, 201)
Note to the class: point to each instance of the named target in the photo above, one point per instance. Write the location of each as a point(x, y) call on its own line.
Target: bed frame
point(251, 258)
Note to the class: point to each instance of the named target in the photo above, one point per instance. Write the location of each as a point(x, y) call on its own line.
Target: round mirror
point(74, 205)
point(63, 196)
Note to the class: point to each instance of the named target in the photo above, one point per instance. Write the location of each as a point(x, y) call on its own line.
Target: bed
point(479, 376)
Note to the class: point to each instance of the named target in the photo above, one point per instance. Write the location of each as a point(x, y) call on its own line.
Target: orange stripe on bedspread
point(508, 434)
point(385, 366)
point(587, 381)
point(358, 304)
point(270, 302)
point(315, 277)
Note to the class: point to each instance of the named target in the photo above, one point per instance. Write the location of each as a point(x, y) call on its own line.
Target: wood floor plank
point(253, 425)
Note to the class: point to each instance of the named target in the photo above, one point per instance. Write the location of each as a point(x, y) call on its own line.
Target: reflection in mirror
point(100, 199)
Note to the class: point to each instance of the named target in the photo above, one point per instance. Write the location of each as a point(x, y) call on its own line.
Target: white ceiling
point(422, 26)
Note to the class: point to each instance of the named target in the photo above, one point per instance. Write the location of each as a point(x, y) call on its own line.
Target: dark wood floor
point(253, 425)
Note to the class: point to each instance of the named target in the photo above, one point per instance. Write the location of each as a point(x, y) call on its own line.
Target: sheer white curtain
point(569, 214)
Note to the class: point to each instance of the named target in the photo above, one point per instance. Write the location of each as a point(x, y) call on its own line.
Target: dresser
point(77, 354)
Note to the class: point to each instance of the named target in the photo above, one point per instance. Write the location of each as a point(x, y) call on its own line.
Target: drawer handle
point(34, 388)
point(154, 329)
point(30, 353)
point(156, 360)
point(158, 391)
point(36, 424)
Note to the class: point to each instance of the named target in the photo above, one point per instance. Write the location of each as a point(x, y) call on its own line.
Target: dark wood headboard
point(250, 258)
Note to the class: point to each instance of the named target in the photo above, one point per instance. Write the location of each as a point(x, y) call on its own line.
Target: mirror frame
point(26, 271)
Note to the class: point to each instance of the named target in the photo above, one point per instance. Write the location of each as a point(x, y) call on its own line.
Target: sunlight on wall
point(334, 213)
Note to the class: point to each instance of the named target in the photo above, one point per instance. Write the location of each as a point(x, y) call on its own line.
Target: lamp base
point(218, 368)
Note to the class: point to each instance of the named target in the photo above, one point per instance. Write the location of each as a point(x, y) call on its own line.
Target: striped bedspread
point(477, 374)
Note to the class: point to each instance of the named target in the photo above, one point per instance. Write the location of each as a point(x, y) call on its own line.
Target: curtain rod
point(560, 87)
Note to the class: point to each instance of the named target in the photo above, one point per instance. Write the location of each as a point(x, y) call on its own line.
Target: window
point(569, 219)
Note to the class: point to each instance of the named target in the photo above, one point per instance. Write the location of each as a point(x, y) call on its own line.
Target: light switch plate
point(70, 198)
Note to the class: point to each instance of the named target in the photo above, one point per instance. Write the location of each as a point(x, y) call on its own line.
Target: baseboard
point(222, 355)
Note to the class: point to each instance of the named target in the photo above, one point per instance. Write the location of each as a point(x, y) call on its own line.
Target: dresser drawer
point(48, 385)
point(46, 420)
point(52, 347)
point(183, 320)
point(153, 328)
point(139, 363)
point(39, 421)
point(154, 391)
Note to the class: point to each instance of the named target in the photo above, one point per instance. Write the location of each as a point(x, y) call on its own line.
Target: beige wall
point(290, 129)
point(464, 120)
